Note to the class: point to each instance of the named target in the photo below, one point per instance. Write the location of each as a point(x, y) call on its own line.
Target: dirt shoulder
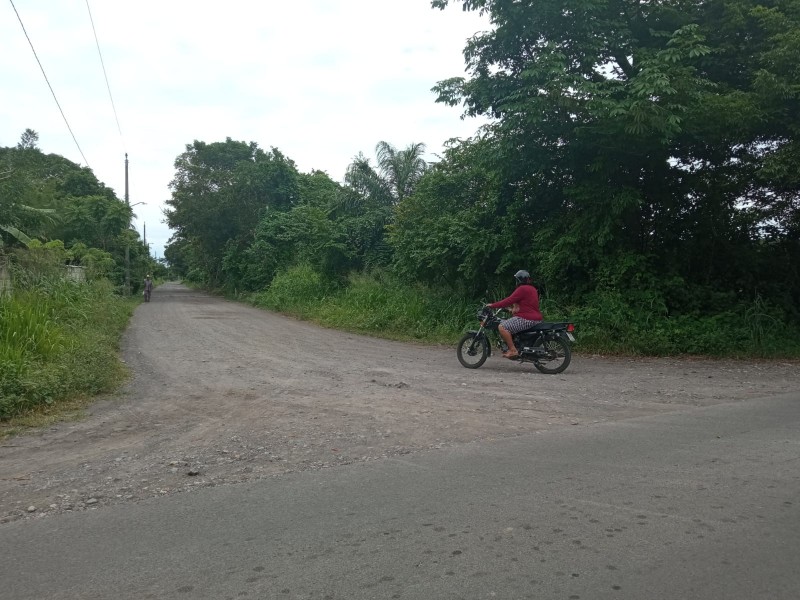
point(223, 393)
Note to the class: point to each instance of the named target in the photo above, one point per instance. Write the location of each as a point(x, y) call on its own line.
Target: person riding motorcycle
point(527, 315)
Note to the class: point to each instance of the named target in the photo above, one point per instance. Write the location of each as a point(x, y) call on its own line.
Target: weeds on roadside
point(615, 324)
point(608, 323)
point(58, 340)
point(368, 304)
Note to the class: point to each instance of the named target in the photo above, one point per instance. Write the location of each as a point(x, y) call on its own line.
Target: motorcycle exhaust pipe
point(535, 352)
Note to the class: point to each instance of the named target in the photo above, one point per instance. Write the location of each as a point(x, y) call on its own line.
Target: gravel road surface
point(223, 393)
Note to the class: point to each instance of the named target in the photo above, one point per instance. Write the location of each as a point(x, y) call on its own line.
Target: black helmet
point(522, 276)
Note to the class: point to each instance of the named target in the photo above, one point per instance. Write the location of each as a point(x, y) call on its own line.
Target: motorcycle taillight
point(570, 327)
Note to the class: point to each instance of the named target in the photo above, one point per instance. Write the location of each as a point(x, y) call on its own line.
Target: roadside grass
point(617, 325)
point(366, 304)
point(610, 324)
point(59, 343)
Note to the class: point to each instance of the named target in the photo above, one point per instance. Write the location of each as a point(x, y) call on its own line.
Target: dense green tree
point(241, 215)
point(449, 233)
point(49, 198)
point(219, 193)
point(307, 233)
point(13, 213)
point(28, 140)
point(96, 221)
point(23, 193)
point(177, 254)
point(648, 144)
point(29, 190)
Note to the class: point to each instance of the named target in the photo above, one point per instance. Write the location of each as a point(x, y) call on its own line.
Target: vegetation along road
point(224, 393)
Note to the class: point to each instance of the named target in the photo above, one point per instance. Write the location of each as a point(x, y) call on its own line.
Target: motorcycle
point(546, 345)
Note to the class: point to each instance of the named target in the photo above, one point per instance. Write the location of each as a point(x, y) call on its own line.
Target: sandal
point(511, 356)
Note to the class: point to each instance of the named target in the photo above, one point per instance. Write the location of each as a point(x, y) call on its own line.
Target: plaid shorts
point(517, 324)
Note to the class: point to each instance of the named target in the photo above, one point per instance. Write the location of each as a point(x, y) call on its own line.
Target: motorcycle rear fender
point(551, 326)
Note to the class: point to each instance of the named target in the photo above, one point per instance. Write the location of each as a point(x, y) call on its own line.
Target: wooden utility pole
point(127, 237)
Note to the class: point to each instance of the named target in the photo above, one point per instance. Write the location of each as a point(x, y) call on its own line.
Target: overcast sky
point(321, 80)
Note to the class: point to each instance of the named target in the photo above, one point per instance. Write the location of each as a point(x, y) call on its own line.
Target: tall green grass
point(369, 304)
point(58, 341)
point(609, 323)
point(614, 323)
point(27, 329)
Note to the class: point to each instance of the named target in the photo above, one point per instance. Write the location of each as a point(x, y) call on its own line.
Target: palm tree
point(371, 193)
point(366, 186)
point(396, 174)
point(401, 169)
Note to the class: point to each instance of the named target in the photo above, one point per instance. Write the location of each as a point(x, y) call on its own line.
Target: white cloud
point(319, 79)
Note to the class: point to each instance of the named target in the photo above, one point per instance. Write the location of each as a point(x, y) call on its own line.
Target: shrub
point(58, 340)
point(608, 322)
point(369, 303)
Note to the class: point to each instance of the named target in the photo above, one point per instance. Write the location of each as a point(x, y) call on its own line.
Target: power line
point(121, 137)
point(48, 82)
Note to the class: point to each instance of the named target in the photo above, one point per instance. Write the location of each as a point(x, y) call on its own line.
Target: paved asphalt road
point(701, 504)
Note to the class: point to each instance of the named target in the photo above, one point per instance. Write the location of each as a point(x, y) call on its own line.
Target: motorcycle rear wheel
point(560, 355)
point(472, 350)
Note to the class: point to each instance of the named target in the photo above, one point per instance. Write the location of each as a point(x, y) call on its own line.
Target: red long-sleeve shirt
point(528, 299)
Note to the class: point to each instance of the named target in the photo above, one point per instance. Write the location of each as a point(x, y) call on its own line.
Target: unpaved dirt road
point(223, 393)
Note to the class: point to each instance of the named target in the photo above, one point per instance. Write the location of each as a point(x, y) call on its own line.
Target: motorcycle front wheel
point(559, 355)
point(472, 350)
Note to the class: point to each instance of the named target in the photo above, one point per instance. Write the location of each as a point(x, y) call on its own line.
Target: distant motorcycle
point(546, 345)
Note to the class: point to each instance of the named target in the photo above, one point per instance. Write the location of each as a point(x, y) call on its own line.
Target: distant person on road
point(148, 288)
